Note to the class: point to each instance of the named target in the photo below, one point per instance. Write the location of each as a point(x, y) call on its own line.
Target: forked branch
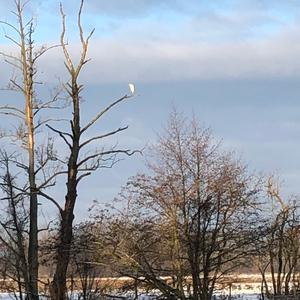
point(101, 113)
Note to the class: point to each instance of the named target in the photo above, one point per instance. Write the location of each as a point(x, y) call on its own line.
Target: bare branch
point(273, 191)
point(51, 200)
point(82, 176)
point(99, 154)
point(46, 121)
point(79, 23)
point(43, 51)
point(61, 134)
point(11, 57)
point(11, 26)
point(53, 176)
point(8, 107)
point(84, 43)
point(100, 114)
point(13, 64)
point(12, 114)
point(103, 136)
point(69, 63)
point(49, 104)
point(12, 40)
point(14, 83)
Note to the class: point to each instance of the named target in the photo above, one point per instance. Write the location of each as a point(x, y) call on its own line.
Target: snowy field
point(245, 287)
point(6, 296)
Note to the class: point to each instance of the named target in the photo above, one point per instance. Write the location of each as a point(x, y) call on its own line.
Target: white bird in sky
point(131, 88)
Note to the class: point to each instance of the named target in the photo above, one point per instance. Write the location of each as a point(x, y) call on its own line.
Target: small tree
point(82, 268)
point(13, 236)
point(279, 247)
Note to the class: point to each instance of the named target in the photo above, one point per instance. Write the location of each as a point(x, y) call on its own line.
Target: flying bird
point(131, 88)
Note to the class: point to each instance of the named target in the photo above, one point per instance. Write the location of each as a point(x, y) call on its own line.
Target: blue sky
point(234, 64)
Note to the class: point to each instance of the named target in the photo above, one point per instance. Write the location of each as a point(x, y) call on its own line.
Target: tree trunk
point(195, 277)
point(33, 230)
point(33, 234)
point(59, 288)
point(26, 47)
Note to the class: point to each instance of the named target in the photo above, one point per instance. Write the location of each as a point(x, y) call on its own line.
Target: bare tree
point(279, 245)
point(143, 249)
point(13, 236)
point(26, 114)
point(79, 164)
point(85, 273)
point(193, 217)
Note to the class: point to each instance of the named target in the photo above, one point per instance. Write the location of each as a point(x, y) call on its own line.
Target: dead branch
point(51, 200)
point(103, 136)
point(12, 114)
point(8, 107)
point(69, 63)
point(100, 114)
point(82, 176)
point(40, 123)
point(52, 177)
point(62, 134)
point(102, 153)
point(273, 191)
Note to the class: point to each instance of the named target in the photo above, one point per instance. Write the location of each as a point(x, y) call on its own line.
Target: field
point(240, 286)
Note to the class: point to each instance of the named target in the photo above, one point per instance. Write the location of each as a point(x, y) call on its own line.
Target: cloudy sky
point(235, 64)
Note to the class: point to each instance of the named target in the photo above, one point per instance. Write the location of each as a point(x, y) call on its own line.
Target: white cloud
point(154, 53)
point(121, 60)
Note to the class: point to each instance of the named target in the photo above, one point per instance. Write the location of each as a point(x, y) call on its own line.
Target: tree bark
point(33, 231)
point(59, 288)
point(28, 73)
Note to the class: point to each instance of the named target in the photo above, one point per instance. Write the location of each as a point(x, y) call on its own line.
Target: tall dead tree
point(79, 164)
point(24, 60)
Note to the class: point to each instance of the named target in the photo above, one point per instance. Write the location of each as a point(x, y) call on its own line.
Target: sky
point(234, 64)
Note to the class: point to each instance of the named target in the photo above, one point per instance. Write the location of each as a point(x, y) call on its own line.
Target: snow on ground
point(245, 287)
point(6, 296)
